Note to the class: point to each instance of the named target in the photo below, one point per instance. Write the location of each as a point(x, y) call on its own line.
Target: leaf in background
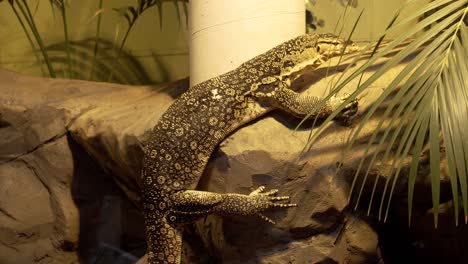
point(127, 12)
point(26, 14)
point(159, 7)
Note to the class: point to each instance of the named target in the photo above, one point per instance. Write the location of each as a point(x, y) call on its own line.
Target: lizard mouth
point(310, 60)
point(302, 62)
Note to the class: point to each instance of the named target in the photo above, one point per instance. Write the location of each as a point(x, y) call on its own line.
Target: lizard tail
point(164, 242)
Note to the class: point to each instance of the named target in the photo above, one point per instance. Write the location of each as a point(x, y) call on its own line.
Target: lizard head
point(287, 61)
point(329, 45)
point(312, 50)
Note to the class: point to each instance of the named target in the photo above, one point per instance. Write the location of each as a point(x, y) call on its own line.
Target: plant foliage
point(132, 13)
point(425, 104)
point(25, 17)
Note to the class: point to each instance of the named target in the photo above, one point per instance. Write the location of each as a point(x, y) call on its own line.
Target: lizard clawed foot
point(349, 111)
point(267, 200)
point(270, 199)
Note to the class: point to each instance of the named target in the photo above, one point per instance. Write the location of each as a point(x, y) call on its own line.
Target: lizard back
point(182, 141)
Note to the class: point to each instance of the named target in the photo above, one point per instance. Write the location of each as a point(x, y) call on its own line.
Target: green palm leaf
point(425, 104)
point(132, 13)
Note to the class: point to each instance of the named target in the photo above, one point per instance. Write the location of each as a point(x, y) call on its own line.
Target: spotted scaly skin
point(181, 143)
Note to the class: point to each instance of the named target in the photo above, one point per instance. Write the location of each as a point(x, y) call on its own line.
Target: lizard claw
point(271, 192)
point(279, 198)
point(285, 205)
point(257, 191)
point(267, 219)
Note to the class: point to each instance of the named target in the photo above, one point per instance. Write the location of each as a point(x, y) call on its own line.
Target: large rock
point(54, 197)
point(70, 154)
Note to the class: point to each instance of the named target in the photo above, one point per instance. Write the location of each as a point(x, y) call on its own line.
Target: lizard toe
point(257, 191)
point(267, 219)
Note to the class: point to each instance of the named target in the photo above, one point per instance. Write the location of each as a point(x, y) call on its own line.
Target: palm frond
point(96, 44)
point(23, 13)
point(61, 5)
point(425, 104)
point(28, 35)
point(132, 13)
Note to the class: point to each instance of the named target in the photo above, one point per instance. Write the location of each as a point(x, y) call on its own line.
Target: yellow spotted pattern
point(181, 143)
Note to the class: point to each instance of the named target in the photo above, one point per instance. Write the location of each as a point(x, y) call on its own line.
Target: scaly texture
point(181, 143)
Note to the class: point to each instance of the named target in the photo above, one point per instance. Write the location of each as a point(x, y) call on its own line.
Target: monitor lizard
point(179, 146)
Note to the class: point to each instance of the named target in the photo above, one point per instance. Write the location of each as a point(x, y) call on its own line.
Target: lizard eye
point(318, 48)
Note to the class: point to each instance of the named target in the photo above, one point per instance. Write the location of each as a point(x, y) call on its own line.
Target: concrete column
point(225, 33)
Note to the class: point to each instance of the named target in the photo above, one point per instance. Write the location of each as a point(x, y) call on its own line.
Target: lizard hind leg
point(193, 203)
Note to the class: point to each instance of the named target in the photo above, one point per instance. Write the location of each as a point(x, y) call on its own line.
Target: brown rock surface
point(53, 195)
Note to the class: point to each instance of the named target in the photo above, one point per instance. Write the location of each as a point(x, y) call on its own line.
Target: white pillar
point(225, 33)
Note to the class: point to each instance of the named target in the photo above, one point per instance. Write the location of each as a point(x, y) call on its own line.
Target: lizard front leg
point(192, 204)
point(302, 106)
